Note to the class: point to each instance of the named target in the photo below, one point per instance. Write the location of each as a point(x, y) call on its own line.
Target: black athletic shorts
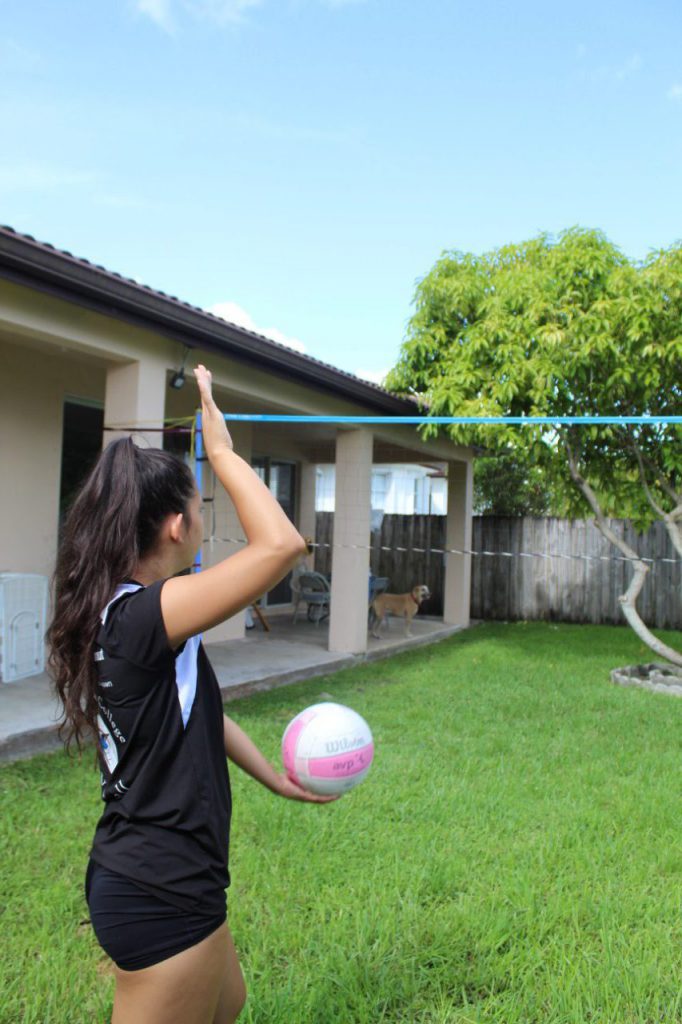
point(135, 928)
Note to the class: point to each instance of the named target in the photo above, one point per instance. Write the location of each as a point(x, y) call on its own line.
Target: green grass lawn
point(514, 855)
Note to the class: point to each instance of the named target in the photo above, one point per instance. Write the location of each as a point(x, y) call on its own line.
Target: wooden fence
point(516, 579)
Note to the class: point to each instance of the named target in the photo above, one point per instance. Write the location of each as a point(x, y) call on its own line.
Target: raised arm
point(191, 604)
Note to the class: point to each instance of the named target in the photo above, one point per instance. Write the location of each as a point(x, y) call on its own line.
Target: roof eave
point(37, 266)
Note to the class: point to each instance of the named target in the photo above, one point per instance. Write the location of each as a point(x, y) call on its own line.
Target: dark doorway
point(81, 444)
point(280, 478)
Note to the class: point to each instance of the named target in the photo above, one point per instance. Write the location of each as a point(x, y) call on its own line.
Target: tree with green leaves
point(508, 484)
point(562, 327)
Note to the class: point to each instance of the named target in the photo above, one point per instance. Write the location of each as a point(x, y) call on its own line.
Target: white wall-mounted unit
point(23, 614)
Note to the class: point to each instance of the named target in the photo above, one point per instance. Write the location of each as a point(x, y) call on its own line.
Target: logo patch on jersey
point(113, 729)
point(107, 745)
point(105, 684)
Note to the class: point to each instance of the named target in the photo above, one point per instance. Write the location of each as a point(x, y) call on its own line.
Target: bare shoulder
point(192, 604)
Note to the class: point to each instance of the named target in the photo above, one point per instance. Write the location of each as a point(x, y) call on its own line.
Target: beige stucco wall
point(33, 387)
point(50, 350)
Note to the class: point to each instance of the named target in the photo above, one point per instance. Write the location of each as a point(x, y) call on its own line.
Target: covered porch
point(353, 451)
point(260, 660)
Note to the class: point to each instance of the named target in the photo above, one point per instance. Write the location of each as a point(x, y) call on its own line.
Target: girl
point(130, 671)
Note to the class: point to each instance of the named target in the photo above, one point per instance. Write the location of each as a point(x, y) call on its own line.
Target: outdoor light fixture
point(177, 381)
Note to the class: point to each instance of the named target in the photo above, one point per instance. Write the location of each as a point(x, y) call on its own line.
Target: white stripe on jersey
point(122, 588)
point(186, 676)
point(185, 663)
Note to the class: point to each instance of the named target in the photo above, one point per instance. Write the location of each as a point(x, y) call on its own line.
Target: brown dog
point(405, 605)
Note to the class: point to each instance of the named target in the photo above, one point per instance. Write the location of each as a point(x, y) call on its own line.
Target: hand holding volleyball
point(293, 791)
point(327, 749)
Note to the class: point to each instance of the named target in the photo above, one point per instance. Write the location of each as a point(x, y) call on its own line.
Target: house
point(88, 355)
point(401, 489)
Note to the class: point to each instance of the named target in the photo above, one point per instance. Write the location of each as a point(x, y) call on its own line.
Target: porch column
point(350, 565)
point(457, 581)
point(135, 396)
point(227, 526)
point(306, 524)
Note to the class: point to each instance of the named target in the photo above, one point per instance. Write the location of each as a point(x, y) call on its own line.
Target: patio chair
point(314, 589)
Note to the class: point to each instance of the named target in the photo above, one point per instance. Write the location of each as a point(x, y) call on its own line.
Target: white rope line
point(465, 551)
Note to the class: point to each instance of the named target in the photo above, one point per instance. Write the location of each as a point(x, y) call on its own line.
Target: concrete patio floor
point(262, 660)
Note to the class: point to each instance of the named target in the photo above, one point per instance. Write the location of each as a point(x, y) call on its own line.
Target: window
point(324, 489)
point(379, 490)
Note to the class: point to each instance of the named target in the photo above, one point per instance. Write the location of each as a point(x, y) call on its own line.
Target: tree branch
point(663, 483)
point(669, 518)
point(673, 529)
point(640, 569)
point(642, 475)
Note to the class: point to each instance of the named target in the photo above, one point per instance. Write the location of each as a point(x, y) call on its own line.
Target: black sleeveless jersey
point(162, 756)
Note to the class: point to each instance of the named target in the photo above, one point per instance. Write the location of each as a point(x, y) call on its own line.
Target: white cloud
point(118, 201)
point(276, 335)
point(218, 12)
point(17, 58)
point(236, 315)
point(159, 11)
point(675, 92)
point(375, 376)
point(628, 68)
point(221, 12)
point(33, 177)
point(613, 72)
point(278, 130)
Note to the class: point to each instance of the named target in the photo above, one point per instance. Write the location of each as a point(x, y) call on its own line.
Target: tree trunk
point(628, 604)
point(629, 598)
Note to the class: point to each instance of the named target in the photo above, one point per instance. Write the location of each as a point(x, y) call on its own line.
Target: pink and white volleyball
point(327, 749)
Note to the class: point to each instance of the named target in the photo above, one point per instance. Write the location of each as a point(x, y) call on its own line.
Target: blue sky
point(299, 164)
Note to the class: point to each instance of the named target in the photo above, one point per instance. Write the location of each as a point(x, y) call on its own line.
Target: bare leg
point(233, 992)
point(183, 989)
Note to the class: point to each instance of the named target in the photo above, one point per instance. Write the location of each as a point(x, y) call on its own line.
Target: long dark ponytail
point(113, 522)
